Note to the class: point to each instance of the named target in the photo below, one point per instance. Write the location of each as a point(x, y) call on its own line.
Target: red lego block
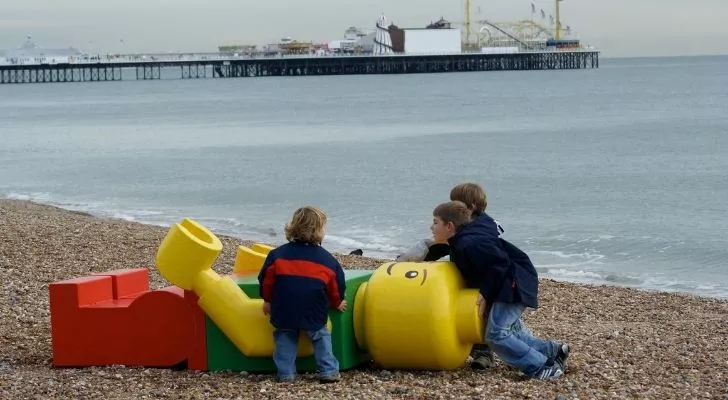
point(113, 318)
point(197, 359)
point(128, 282)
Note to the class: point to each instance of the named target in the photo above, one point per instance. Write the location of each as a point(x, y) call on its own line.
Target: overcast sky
point(617, 27)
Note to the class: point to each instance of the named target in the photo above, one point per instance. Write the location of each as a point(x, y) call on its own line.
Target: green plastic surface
point(223, 355)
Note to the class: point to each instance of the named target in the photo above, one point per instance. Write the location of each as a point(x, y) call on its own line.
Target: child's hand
point(481, 304)
point(342, 306)
point(266, 308)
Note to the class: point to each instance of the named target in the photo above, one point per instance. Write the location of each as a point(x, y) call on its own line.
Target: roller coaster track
point(496, 27)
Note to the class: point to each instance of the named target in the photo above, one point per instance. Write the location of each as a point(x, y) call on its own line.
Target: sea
point(616, 175)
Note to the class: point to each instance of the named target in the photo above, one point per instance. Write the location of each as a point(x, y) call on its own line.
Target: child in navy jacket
point(507, 282)
point(474, 197)
point(299, 282)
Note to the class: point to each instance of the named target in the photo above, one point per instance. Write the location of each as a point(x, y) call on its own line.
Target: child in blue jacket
point(474, 197)
point(507, 282)
point(299, 282)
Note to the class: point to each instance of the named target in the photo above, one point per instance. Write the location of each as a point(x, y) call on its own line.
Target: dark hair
point(453, 211)
point(472, 195)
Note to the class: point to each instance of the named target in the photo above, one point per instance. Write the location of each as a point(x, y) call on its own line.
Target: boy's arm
point(437, 251)
point(336, 288)
point(492, 262)
point(266, 279)
point(416, 253)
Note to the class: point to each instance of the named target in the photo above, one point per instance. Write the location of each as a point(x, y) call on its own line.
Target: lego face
point(402, 300)
point(417, 273)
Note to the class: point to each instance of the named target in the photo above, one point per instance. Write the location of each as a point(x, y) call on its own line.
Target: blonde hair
point(472, 195)
point(453, 211)
point(307, 225)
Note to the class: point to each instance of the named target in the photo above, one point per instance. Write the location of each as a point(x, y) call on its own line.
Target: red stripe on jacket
point(303, 268)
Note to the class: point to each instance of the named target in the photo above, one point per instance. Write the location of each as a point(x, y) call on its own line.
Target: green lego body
point(223, 355)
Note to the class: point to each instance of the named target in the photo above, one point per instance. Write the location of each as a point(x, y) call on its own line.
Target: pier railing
point(191, 57)
point(216, 65)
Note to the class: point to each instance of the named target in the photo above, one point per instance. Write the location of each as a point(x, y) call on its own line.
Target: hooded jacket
point(501, 271)
point(301, 281)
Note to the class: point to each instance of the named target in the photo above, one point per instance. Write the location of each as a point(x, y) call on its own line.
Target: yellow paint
point(248, 261)
point(467, 22)
point(185, 259)
point(251, 260)
point(417, 316)
point(262, 248)
point(557, 33)
point(186, 251)
point(407, 316)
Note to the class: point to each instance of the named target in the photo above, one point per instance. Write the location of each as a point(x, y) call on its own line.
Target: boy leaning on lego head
point(431, 249)
point(437, 247)
point(507, 283)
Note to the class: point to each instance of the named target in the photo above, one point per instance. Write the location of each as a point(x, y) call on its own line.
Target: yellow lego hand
point(187, 253)
point(185, 258)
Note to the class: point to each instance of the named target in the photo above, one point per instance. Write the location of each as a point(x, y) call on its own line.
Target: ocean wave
point(237, 228)
point(97, 209)
point(379, 246)
point(569, 273)
point(584, 256)
point(40, 197)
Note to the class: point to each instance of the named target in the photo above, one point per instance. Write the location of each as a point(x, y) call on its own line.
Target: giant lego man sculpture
point(404, 315)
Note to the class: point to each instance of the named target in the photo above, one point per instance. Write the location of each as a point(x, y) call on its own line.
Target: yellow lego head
point(417, 315)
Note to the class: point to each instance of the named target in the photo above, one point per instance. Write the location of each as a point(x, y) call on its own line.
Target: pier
point(215, 65)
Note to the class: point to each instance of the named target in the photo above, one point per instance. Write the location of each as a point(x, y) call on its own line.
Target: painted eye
point(411, 274)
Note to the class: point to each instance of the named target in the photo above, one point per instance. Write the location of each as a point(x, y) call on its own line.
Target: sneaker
point(562, 355)
point(483, 362)
point(329, 378)
point(549, 373)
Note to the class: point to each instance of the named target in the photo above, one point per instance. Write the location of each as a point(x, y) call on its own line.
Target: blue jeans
point(514, 343)
point(284, 355)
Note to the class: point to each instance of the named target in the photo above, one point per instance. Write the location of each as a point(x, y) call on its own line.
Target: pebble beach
point(626, 343)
